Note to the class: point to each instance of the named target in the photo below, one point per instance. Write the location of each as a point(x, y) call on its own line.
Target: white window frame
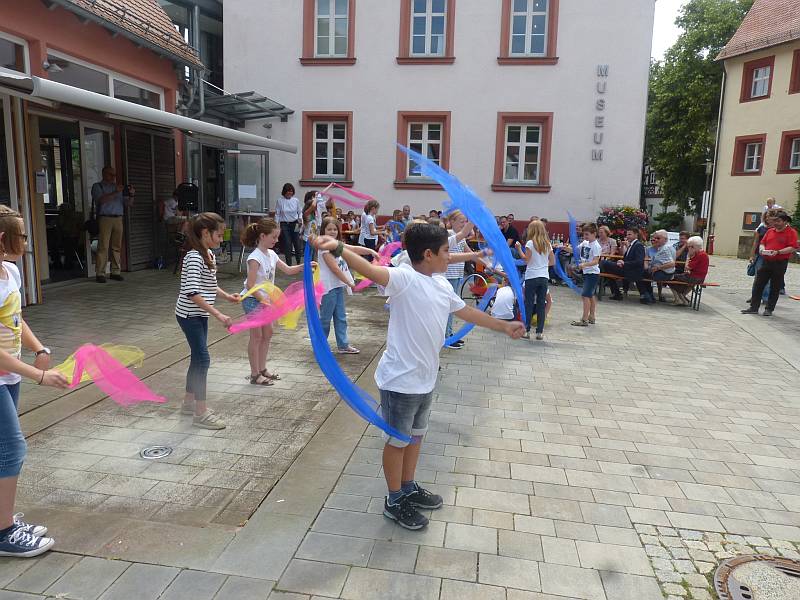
point(331, 16)
point(521, 146)
point(753, 155)
point(761, 76)
point(329, 140)
point(25, 51)
point(794, 154)
point(425, 141)
point(111, 76)
point(429, 15)
point(529, 14)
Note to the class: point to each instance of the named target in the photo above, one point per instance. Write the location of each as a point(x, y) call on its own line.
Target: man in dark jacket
point(631, 267)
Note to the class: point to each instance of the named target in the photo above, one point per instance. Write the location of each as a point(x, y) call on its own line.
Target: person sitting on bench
point(661, 265)
point(631, 267)
point(694, 273)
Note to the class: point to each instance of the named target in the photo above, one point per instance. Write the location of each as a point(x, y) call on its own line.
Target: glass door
point(245, 188)
point(96, 153)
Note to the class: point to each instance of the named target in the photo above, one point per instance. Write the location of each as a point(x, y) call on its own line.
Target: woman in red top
point(695, 272)
point(776, 248)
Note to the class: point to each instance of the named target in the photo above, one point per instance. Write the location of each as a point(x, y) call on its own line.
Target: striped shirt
point(196, 278)
point(456, 270)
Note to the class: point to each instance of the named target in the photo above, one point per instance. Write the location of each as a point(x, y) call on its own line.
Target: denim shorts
point(12, 441)
point(250, 304)
point(589, 284)
point(407, 413)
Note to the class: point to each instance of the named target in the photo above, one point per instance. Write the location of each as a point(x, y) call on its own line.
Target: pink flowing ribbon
point(385, 258)
point(111, 376)
point(354, 193)
point(345, 201)
point(293, 299)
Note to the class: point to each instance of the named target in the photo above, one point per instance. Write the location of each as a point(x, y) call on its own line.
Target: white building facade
point(538, 105)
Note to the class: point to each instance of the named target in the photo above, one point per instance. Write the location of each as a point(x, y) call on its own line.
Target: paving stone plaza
point(618, 462)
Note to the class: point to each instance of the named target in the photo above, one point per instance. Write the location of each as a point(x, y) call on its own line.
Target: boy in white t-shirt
point(588, 254)
point(406, 375)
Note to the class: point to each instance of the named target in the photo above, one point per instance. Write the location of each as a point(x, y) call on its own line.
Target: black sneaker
point(406, 515)
point(117, 277)
point(767, 312)
point(460, 343)
point(750, 311)
point(422, 498)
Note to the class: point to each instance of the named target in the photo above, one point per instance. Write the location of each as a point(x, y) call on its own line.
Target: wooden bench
point(697, 289)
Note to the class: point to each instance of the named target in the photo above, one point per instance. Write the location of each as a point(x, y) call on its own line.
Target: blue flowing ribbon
point(484, 304)
point(564, 277)
point(396, 227)
point(573, 237)
point(465, 200)
point(360, 401)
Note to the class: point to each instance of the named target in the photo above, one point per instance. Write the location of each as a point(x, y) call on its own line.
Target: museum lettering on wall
point(600, 108)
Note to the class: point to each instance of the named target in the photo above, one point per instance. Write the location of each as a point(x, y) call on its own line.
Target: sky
point(664, 31)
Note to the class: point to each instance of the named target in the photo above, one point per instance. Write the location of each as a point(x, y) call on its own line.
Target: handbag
point(751, 269)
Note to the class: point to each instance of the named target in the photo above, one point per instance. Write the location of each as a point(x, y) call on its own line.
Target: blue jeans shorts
point(12, 441)
point(250, 304)
point(589, 284)
point(407, 413)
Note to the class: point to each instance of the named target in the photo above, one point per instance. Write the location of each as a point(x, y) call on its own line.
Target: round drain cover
point(758, 577)
point(155, 452)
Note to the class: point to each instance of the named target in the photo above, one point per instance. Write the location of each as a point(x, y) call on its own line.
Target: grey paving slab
point(141, 581)
point(307, 577)
point(41, 575)
point(461, 590)
point(241, 588)
point(194, 585)
point(88, 578)
point(366, 584)
point(620, 586)
point(571, 581)
point(391, 556)
point(336, 549)
point(609, 557)
point(447, 563)
point(509, 572)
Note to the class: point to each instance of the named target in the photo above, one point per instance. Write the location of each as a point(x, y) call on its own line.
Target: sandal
point(271, 376)
point(260, 380)
point(348, 350)
point(580, 323)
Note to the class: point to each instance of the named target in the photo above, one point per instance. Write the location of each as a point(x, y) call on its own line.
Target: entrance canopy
point(27, 86)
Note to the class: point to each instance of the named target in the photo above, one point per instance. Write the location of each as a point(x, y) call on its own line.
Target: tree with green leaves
point(683, 102)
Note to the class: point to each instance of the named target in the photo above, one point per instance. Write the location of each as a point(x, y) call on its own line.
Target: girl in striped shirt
point(195, 303)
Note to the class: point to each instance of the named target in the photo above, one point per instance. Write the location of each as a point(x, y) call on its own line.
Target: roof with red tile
point(769, 23)
point(140, 20)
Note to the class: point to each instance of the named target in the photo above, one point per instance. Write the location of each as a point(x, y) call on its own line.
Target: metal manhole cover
point(758, 577)
point(155, 452)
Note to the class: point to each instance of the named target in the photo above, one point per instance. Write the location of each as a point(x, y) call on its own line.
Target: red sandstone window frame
point(739, 149)
point(404, 118)
point(748, 70)
point(404, 56)
point(785, 156)
point(545, 121)
point(309, 57)
point(309, 119)
point(794, 84)
point(550, 57)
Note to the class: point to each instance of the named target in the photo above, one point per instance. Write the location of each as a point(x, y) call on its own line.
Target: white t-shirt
point(420, 307)
point(11, 319)
point(538, 265)
point(503, 307)
point(401, 258)
point(266, 266)
point(320, 199)
point(366, 220)
point(588, 251)
point(327, 277)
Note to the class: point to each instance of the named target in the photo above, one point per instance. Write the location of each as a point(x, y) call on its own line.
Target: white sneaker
point(37, 530)
point(208, 420)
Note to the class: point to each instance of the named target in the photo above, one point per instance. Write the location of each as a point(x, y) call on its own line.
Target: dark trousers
point(535, 296)
point(612, 268)
point(772, 272)
point(196, 331)
point(291, 242)
point(371, 244)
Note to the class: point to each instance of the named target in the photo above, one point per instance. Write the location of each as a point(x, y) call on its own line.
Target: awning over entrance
point(36, 87)
point(241, 106)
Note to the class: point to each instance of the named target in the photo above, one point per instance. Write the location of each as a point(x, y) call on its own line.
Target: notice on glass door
point(248, 192)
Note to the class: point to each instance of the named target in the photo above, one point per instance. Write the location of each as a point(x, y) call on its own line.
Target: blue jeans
point(333, 306)
point(407, 413)
point(196, 331)
point(12, 441)
point(449, 331)
point(535, 297)
point(590, 281)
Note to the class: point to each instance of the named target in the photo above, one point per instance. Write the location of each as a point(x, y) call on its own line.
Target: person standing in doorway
point(110, 199)
point(289, 214)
